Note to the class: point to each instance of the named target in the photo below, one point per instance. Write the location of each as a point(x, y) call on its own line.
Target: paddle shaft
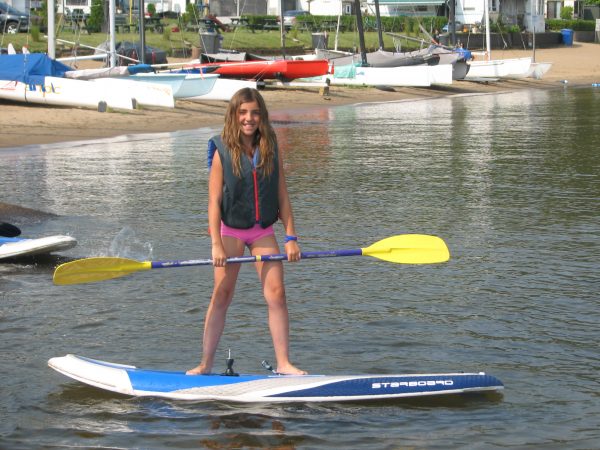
point(402, 249)
point(247, 259)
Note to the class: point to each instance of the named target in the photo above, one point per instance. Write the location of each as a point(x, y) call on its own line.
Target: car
point(458, 27)
point(289, 17)
point(12, 20)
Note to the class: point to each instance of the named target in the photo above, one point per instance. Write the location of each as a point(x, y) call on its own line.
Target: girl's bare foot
point(199, 370)
point(289, 369)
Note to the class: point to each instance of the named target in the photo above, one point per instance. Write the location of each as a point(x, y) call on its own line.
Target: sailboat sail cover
point(30, 68)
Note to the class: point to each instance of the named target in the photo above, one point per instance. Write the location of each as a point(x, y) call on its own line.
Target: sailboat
point(36, 78)
point(40, 78)
point(498, 68)
point(363, 73)
point(537, 69)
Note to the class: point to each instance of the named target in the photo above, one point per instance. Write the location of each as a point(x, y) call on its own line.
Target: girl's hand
point(292, 250)
point(219, 257)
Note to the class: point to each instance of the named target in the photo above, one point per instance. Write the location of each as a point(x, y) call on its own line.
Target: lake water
point(510, 181)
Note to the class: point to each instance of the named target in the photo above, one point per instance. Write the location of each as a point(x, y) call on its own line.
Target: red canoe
point(281, 69)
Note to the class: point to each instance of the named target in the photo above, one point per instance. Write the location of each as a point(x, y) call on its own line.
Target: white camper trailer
point(123, 6)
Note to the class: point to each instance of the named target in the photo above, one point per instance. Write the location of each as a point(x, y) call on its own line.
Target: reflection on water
point(510, 181)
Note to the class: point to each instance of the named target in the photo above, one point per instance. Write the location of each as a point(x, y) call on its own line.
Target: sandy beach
point(34, 124)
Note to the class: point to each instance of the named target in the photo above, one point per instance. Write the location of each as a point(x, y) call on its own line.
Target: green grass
point(259, 42)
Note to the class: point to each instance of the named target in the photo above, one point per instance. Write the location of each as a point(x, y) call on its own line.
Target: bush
point(495, 27)
point(258, 21)
point(566, 12)
point(575, 25)
point(35, 33)
point(96, 19)
point(583, 25)
point(191, 14)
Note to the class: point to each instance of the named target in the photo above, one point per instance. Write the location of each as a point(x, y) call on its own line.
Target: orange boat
point(279, 69)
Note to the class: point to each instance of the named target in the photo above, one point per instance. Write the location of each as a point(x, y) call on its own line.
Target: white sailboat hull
point(195, 85)
point(144, 93)
point(404, 76)
point(223, 89)
point(183, 85)
point(64, 92)
point(441, 74)
point(536, 71)
point(499, 68)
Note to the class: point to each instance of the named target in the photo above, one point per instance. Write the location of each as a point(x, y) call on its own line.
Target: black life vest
point(250, 198)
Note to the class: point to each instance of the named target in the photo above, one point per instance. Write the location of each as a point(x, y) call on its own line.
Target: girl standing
point(247, 194)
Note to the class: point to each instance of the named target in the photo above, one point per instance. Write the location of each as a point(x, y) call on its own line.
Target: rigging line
point(28, 30)
point(500, 27)
point(235, 30)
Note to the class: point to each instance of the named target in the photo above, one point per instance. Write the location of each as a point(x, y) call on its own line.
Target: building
point(24, 5)
point(525, 13)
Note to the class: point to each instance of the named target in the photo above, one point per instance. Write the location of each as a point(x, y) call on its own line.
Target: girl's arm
point(292, 248)
point(215, 196)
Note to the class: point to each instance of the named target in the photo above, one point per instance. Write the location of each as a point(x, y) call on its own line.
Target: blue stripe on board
point(157, 381)
point(7, 240)
point(377, 386)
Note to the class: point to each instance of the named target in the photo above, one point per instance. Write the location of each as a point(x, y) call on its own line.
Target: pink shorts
point(248, 236)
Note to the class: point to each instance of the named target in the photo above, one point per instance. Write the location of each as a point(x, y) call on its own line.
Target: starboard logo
point(420, 383)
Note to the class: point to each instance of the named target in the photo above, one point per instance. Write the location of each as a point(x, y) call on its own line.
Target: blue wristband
point(287, 239)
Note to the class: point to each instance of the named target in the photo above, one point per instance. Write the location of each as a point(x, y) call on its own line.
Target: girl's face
point(249, 118)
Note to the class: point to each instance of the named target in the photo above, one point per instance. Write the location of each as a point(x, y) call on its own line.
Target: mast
point(337, 30)
point(281, 28)
point(111, 33)
point(533, 8)
point(141, 18)
point(452, 29)
point(486, 13)
point(51, 31)
point(379, 32)
point(361, 34)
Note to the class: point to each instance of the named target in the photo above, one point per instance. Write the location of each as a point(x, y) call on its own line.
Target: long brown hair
point(264, 138)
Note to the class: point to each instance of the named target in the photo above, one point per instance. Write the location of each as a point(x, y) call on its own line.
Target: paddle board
point(19, 247)
point(130, 380)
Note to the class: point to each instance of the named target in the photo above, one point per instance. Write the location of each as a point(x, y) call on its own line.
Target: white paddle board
point(130, 380)
point(19, 247)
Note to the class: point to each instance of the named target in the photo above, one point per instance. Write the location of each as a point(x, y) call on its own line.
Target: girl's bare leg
point(214, 323)
point(271, 277)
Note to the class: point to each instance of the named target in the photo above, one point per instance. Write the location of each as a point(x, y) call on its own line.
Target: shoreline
point(28, 124)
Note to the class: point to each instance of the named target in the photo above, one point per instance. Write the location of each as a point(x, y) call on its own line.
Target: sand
point(24, 124)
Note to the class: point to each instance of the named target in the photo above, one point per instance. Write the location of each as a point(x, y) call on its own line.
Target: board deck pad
point(19, 247)
point(130, 380)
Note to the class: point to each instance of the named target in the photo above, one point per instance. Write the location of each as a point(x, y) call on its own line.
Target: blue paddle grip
point(246, 259)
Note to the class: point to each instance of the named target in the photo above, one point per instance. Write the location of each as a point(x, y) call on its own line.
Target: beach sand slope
point(24, 124)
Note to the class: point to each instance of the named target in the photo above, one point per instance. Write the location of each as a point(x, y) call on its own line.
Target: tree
point(566, 12)
point(96, 19)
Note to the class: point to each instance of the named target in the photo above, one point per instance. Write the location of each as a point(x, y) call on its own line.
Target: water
point(510, 181)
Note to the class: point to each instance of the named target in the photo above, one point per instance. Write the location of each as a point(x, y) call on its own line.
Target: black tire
point(12, 27)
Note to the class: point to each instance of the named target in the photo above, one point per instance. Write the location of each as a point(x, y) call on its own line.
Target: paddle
point(8, 230)
point(401, 249)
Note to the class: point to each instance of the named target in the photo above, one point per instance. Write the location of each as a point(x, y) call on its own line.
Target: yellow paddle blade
point(90, 270)
point(410, 249)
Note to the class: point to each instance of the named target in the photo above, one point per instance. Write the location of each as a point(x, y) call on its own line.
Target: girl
point(247, 193)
